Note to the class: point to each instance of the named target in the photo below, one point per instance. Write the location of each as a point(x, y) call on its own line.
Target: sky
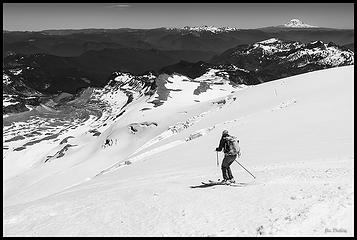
point(42, 16)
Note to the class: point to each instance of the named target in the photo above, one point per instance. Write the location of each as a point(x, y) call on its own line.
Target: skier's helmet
point(225, 133)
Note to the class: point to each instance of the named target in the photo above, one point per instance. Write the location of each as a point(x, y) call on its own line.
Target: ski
point(212, 183)
point(218, 182)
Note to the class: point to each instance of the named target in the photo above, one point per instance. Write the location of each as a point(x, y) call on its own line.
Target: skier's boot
point(225, 181)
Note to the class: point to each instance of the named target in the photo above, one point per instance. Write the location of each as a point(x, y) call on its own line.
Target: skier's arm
point(221, 145)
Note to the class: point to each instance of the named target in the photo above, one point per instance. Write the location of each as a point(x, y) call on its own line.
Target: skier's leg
point(224, 167)
point(229, 173)
point(224, 173)
point(230, 160)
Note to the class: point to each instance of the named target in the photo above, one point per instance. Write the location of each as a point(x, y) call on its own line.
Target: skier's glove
point(217, 149)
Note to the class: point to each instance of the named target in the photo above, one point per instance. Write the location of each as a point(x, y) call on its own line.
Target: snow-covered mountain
point(125, 160)
point(64, 131)
point(27, 79)
point(298, 54)
point(299, 28)
point(212, 29)
point(277, 52)
point(293, 23)
point(269, 60)
point(296, 23)
point(204, 28)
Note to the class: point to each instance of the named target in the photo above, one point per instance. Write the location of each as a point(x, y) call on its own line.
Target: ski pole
point(218, 167)
point(244, 168)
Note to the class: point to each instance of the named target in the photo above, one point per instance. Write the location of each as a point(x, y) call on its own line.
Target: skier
point(228, 158)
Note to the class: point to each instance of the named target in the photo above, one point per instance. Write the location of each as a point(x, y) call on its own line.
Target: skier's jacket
point(224, 144)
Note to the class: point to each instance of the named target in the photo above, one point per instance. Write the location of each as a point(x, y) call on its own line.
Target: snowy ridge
point(326, 55)
point(272, 46)
point(212, 29)
point(275, 51)
point(269, 41)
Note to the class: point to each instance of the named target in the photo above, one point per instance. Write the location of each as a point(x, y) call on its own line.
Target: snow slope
point(70, 154)
point(296, 138)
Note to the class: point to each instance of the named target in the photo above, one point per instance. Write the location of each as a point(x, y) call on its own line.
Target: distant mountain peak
point(296, 23)
point(206, 28)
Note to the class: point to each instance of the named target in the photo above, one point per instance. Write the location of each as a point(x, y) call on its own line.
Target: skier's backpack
point(232, 147)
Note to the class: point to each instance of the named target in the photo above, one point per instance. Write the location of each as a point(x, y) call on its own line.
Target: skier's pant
point(226, 170)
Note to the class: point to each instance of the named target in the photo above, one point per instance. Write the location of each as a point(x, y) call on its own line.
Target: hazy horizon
point(61, 16)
